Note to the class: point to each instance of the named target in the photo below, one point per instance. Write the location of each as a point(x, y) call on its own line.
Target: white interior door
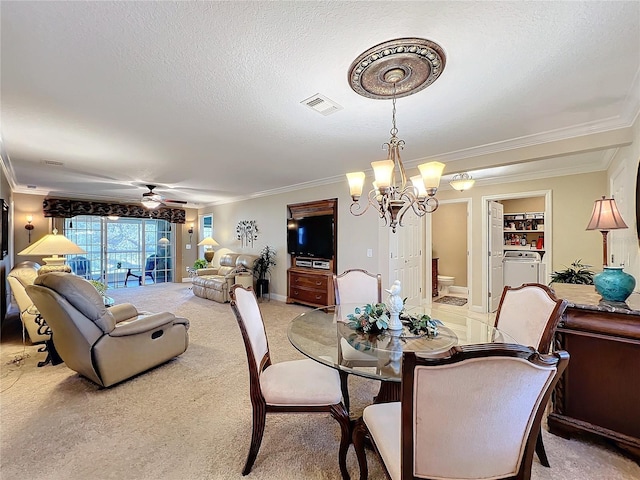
point(496, 252)
point(405, 258)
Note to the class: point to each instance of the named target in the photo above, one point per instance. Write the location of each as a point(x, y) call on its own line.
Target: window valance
point(64, 208)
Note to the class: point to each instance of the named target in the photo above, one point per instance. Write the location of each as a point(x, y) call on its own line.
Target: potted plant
point(577, 273)
point(262, 268)
point(200, 263)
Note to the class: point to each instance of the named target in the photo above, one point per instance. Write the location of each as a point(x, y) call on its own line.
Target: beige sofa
point(215, 283)
point(19, 277)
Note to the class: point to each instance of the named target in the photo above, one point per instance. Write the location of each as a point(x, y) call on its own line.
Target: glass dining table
point(324, 335)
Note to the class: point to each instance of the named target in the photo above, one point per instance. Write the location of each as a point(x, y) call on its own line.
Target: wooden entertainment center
point(305, 284)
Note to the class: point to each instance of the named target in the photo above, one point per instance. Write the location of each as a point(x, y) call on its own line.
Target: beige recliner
point(106, 345)
point(23, 274)
point(215, 283)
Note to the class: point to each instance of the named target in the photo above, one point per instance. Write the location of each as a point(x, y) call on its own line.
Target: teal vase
point(613, 284)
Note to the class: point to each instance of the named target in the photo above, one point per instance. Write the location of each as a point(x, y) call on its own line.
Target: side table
point(43, 329)
point(245, 279)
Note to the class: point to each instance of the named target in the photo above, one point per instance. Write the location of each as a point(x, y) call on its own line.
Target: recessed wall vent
point(52, 163)
point(321, 104)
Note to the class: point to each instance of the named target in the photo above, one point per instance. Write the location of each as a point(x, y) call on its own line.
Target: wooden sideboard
point(599, 392)
point(310, 287)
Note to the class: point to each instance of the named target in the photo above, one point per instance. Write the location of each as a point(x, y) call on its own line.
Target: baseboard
point(459, 290)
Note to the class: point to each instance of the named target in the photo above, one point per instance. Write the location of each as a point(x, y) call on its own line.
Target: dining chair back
point(287, 387)
point(357, 286)
point(530, 314)
point(437, 431)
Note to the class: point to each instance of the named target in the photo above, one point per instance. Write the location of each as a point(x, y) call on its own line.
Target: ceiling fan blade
point(181, 202)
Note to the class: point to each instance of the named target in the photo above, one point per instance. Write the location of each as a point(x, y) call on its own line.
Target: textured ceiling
point(203, 98)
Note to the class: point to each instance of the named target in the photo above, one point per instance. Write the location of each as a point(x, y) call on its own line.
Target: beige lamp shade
point(53, 245)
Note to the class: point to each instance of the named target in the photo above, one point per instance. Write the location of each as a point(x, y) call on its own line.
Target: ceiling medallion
point(399, 68)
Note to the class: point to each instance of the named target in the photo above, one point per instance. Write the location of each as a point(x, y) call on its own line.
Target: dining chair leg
point(540, 451)
point(344, 386)
point(359, 439)
point(259, 420)
point(341, 414)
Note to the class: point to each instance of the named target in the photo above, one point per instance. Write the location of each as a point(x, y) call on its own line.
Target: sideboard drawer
point(309, 281)
point(318, 297)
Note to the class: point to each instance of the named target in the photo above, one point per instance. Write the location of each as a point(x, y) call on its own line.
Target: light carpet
point(190, 419)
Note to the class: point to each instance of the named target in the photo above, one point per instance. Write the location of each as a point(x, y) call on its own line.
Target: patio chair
point(530, 314)
point(287, 387)
point(439, 431)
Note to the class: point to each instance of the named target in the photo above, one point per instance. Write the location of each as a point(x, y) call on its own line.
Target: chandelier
point(396, 68)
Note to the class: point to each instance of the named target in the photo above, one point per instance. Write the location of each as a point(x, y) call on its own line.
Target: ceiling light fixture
point(150, 203)
point(462, 181)
point(395, 69)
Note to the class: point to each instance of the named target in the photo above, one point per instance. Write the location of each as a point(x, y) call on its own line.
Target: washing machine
point(522, 267)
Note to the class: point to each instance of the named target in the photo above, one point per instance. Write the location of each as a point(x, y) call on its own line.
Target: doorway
point(449, 245)
point(494, 238)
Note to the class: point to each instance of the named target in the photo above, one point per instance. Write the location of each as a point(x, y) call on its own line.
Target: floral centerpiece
point(374, 318)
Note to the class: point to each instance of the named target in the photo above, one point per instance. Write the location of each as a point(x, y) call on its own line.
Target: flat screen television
point(311, 236)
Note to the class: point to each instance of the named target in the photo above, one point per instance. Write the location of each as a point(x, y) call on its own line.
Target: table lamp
point(54, 245)
point(208, 244)
point(613, 284)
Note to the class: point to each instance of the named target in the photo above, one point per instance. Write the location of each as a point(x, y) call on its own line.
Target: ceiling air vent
point(321, 104)
point(52, 163)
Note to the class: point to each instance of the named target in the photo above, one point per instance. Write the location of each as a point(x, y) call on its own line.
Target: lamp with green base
point(208, 243)
point(612, 283)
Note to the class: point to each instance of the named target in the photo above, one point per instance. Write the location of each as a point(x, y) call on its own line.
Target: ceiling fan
point(153, 200)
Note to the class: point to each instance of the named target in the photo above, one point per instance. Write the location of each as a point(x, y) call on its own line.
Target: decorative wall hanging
point(247, 232)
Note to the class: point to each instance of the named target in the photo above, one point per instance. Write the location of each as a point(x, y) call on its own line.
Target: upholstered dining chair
point(530, 314)
point(287, 387)
point(471, 413)
point(355, 286)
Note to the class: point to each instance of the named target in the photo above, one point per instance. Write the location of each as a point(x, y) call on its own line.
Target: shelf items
point(524, 231)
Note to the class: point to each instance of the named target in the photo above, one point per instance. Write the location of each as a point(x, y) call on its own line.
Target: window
point(123, 252)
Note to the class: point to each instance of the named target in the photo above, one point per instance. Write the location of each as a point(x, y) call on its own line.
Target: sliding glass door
point(122, 252)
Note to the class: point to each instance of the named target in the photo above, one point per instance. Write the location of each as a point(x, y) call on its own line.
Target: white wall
point(622, 173)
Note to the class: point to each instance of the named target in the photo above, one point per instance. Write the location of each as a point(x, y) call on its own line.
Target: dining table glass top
point(324, 335)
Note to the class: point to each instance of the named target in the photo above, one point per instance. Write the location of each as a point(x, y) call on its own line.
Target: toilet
point(444, 283)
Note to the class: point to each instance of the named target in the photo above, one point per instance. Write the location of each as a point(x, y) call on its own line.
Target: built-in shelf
point(527, 226)
point(522, 247)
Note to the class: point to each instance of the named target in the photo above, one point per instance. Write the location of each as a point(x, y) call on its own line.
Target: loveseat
point(215, 283)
